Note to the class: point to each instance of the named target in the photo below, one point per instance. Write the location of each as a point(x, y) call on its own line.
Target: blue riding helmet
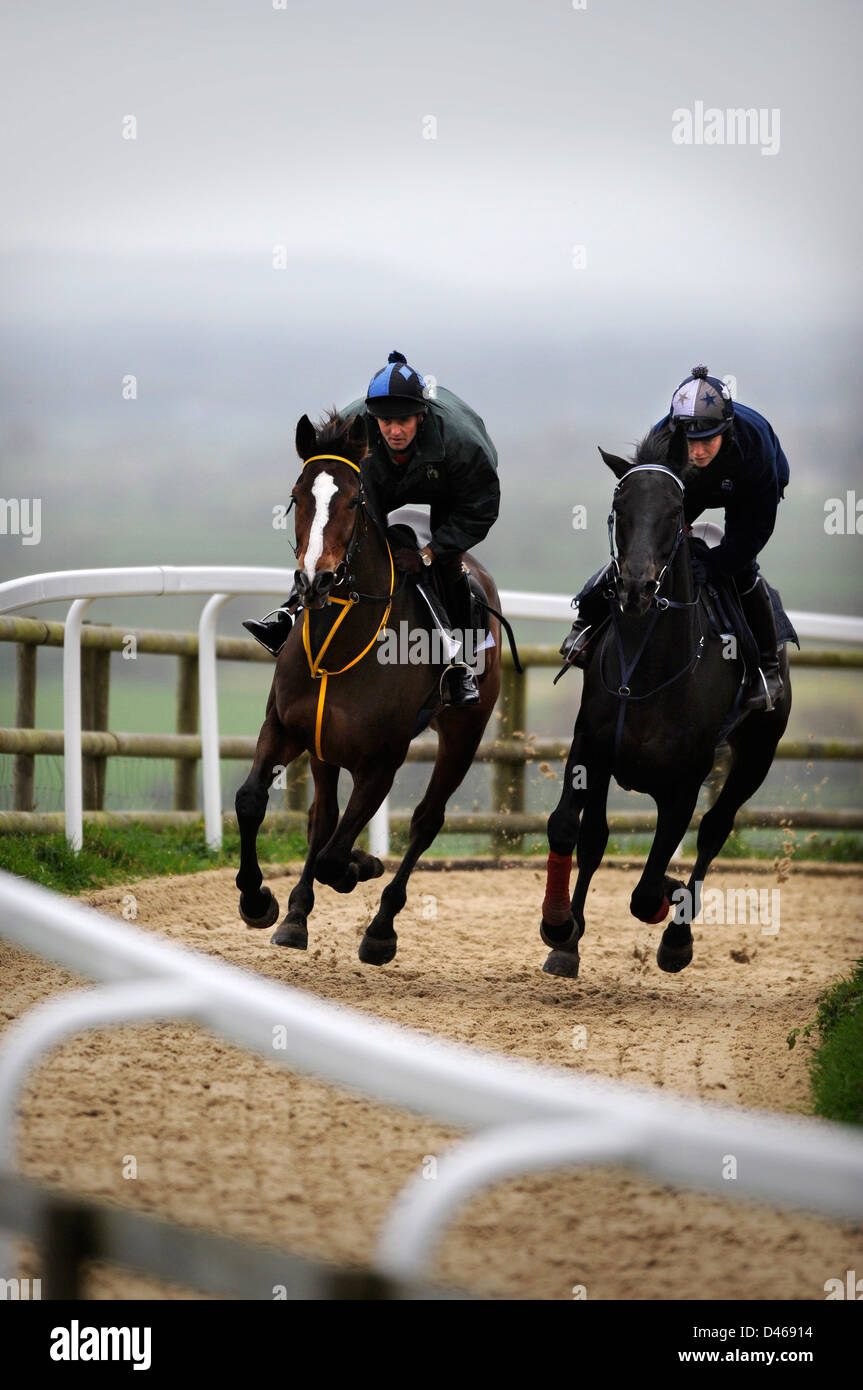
point(396, 390)
point(701, 406)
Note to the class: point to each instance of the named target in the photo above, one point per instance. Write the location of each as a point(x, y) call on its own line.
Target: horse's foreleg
point(258, 907)
point(459, 733)
point(562, 833)
point(588, 786)
point(337, 864)
point(323, 816)
point(651, 900)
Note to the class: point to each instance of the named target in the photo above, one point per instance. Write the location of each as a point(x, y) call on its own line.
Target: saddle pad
point(453, 647)
point(732, 614)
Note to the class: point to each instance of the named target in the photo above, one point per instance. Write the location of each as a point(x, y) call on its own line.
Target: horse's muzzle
point(314, 592)
point(636, 596)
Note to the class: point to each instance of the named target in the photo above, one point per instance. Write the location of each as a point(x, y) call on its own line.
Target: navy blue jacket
point(747, 478)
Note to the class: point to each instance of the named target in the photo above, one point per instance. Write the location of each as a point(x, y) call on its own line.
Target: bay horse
point(330, 695)
point(657, 689)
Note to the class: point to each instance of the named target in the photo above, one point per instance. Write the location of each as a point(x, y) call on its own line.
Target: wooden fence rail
point(510, 753)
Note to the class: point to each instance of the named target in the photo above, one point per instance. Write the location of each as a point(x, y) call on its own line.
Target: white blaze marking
point(322, 490)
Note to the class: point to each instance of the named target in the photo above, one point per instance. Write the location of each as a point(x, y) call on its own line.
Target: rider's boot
point(273, 630)
point(574, 646)
point(458, 684)
point(766, 683)
point(592, 609)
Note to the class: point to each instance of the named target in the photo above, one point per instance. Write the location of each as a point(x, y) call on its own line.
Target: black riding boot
point(458, 682)
point(272, 631)
point(592, 610)
point(766, 683)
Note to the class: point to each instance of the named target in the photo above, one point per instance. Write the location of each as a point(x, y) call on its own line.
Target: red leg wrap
point(555, 904)
point(661, 914)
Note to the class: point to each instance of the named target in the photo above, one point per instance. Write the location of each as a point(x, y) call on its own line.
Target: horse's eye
point(354, 503)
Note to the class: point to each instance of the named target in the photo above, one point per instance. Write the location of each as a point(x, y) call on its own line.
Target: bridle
point(627, 667)
point(343, 573)
point(661, 603)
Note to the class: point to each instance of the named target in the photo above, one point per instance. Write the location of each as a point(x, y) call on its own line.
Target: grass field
point(837, 1065)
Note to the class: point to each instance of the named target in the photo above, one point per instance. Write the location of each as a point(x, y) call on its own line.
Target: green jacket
point(453, 469)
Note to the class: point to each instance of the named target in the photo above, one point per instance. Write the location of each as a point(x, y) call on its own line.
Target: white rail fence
point(221, 584)
point(524, 1117)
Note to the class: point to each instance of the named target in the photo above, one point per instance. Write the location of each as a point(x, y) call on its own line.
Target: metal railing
point(524, 1117)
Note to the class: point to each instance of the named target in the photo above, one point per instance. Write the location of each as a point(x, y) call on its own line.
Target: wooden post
point(23, 766)
point(70, 1239)
point(186, 769)
point(508, 779)
point(95, 692)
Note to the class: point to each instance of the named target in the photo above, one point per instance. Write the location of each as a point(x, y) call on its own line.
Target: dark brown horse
point(332, 696)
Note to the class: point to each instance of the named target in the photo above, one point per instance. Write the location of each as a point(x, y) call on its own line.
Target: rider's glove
point(701, 568)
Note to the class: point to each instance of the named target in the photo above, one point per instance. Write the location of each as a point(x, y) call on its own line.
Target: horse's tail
point(505, 624)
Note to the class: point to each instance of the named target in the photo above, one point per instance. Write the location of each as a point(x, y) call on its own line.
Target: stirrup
point(468, 685)
point(266, 632)
point(760, 697)
point(576, 642)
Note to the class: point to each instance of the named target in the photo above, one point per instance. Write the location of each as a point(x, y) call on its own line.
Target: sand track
point(226, 1142)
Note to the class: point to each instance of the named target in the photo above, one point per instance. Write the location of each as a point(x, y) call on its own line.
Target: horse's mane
point(349, 437)
point(653, 449)
point(342, 436)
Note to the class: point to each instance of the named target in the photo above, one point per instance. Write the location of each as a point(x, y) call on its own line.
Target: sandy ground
point(226, 1142)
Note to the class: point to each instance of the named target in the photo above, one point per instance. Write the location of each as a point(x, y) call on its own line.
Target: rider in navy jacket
point(748, 478)
point(728, 456)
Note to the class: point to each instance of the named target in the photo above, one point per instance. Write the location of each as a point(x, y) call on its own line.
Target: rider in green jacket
point(427, 446)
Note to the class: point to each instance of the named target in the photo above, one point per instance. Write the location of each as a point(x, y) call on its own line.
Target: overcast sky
point(552, 249)
point(305, 126)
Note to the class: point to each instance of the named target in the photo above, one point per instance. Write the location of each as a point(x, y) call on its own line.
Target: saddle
point(726, 619)
point(409, 527)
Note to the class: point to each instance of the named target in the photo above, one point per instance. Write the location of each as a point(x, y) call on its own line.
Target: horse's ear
point(617, 465)
point(306, 437)
point(358, 435)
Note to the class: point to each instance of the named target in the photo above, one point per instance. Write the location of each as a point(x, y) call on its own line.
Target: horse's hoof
point(563, 963)
point(368, 865)
point(291, 933)
point(658, 917)
point(567, 934)
point(268, 917)
point(349, 880)
point(376, 951)
point(344, 882)
point(673, 958)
